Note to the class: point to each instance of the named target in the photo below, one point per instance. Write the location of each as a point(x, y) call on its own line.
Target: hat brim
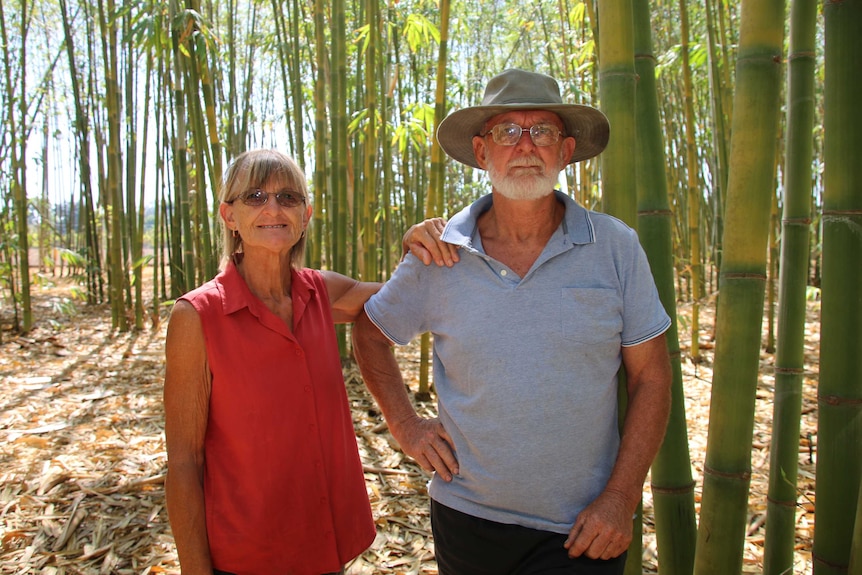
point(589, 127)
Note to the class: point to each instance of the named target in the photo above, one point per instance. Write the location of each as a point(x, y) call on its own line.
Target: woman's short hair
point(255, 169)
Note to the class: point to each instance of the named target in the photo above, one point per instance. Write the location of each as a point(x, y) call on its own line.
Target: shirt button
point(504, 273)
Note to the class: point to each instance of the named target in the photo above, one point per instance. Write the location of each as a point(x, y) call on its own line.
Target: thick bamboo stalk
point(617, 86)
point(790, 345)
point(727, 468)
point(839, 432)
point(671, 479)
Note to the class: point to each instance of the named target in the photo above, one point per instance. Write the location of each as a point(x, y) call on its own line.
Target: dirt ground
point(82, 451)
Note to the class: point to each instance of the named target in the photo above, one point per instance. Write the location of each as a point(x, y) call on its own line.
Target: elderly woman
point(264, 474)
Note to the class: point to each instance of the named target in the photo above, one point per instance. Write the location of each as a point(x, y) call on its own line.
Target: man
point(547, 300)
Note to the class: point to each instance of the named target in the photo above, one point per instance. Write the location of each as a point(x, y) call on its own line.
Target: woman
point(264, 474)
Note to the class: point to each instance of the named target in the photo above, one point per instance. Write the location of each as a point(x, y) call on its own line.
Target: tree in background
point(839, 431)
point(727, 469)
point(790, 353)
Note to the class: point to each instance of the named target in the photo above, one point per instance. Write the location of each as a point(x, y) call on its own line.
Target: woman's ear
point(225, 210)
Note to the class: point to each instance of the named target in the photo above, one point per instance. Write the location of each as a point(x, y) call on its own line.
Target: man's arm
point(425, 440)
point(604, 529)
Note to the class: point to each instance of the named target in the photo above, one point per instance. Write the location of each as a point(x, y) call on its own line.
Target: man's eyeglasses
point(257, 198)
point(510, 134)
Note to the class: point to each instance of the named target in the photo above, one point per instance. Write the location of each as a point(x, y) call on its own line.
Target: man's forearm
point(649, 378)
point(381, 372)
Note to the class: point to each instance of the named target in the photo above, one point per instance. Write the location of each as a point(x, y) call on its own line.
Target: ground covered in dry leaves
point(82, 451)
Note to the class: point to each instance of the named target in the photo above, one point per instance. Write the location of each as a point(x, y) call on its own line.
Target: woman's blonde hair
point(254, 169)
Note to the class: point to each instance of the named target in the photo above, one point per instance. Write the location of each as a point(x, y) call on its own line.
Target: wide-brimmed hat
point(522, 90)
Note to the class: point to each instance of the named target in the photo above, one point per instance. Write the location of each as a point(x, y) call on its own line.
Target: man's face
point(523, 170)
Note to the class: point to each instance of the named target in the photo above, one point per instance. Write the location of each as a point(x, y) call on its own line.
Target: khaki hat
point(522, 90)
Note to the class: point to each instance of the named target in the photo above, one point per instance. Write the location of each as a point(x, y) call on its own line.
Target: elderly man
point(546, 302)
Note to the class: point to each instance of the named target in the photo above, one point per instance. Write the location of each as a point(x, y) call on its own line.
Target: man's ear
point(567, 149)
point(479, 150)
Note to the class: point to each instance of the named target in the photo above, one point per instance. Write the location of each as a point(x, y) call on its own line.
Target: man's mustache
point(526, 162)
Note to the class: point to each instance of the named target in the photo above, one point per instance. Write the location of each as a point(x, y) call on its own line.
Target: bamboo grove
point(734, 152)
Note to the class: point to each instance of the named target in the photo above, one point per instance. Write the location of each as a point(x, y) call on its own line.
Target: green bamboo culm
point(790, 350)
point(617, 87)
point(434, 205)
point(855, 567)
point(338, 205)
point(671, 479)
point(727, 467)
point(693, 193)
point(839, 432)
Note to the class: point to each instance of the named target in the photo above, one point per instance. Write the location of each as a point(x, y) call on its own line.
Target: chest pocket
point(591, 315)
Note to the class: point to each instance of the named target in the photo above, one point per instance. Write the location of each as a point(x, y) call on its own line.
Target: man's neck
point(522, 220)
point(514, 232)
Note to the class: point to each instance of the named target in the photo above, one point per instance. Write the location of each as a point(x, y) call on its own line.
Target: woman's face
point(272, 226)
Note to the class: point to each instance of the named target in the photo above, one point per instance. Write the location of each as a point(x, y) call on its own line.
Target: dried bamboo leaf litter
point(82, 453)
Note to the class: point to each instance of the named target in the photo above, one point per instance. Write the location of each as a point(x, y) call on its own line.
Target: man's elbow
point(366, 335)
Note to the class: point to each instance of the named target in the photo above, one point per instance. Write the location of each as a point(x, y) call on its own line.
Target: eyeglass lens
point(510, 134)
point(257, 198)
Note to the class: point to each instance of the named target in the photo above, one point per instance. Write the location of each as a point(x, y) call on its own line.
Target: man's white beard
point(523, 187)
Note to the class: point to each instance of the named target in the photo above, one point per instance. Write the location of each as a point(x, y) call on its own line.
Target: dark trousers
point(217, 572)
point(467, 545)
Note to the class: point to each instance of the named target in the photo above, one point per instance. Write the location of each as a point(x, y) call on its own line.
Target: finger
point(440, 455)
point(453, 252)
point(426, 246)
point(444, 253)
point(447, 457)
point(438, 464)
point(579, 540)
point(448, 454)
point(420, 252)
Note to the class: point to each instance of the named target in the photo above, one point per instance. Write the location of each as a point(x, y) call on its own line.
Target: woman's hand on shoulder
point(423, 240)
point(347, 296)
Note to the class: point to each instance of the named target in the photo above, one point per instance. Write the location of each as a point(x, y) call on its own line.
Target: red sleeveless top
point(283, 483)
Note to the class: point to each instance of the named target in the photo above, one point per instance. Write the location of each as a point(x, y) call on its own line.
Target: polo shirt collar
point(577, 227)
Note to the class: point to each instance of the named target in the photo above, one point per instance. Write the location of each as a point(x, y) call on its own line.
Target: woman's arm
point(186, 397)
point(347, 296)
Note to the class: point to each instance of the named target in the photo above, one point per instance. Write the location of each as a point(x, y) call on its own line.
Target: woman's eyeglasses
point(257, 198)
point(510, 134)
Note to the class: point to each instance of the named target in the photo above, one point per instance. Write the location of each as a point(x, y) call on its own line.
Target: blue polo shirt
point(525, 368)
